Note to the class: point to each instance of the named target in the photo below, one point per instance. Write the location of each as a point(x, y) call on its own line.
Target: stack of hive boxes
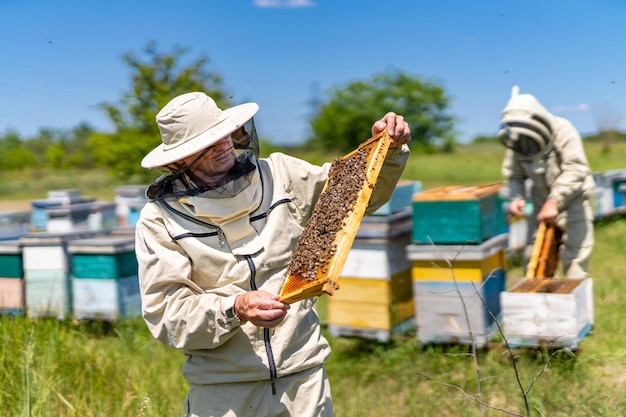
point(458, 255)
point(375, 298)
point(105, 285)
point(68, 210)
point(130, 199)
point(14, 224)
point(11, 278)
point(616, 180)
point(47, 264)
point(603, 196)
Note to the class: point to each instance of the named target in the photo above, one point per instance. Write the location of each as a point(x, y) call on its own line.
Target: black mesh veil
point(176, 182)
point(245, 139)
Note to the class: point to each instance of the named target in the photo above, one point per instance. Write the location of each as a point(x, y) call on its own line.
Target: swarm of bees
point(316, 246)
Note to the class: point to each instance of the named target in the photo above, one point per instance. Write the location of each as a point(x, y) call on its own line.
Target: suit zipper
point(266, 331)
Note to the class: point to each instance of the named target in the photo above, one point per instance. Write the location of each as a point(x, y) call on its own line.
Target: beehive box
point(518, 232)
point(11, 277)
point(457, 262)
point(14, 224)
point(11, 265)
point(60, 205)
point(86, 216)
point(384, 228)
point(456, 290)
point(48, 293)
point(456, 215)
point(552, 313)
point(603, 196)
point(104, 278)
point(401, 199)
point(12, 296)
point(462, 312)
point(106, 299)
point(108, 256)
point(129, 200)
point(46, 272)
point(616, 178)
point(376, 296)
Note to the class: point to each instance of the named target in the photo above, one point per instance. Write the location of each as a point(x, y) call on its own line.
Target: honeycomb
point(322, 249)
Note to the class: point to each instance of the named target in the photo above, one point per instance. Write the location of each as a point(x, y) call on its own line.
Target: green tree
point(486, 139)
point(39, 145)
point(345, 120)
point(156, 77)
point(13, 154)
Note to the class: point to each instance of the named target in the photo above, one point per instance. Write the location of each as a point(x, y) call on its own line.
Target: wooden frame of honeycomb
point(324, 278)
point(545, 254)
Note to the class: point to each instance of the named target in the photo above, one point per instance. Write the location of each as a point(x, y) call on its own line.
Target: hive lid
point(108, 244)
point(457, 192)
point(429, 252)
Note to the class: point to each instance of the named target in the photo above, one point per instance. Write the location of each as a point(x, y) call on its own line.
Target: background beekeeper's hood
point(192, 122)
point(526, 126)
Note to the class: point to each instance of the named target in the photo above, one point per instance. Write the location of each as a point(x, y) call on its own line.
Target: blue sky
point(60, 58)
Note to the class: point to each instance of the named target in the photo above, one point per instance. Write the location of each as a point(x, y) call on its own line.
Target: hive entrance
point(322, 249)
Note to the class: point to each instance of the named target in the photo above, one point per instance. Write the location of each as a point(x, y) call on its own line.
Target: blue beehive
point(46, 272)
point(617, 178)
point(456, 215)
point(104, 280)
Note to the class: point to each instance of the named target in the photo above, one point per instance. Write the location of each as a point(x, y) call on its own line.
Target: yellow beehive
point(457, 262)
point(457, 289)
point(376, 297)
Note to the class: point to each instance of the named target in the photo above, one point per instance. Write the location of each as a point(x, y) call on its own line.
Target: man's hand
point(397, 127)
point(516, 208)
point(261, 308)
point(549, 211)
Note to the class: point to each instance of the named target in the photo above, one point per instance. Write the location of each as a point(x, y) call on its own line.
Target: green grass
point(63, 368)
point(469, 164)
point(55, 368)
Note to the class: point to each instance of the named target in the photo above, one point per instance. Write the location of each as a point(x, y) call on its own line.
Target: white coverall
point(560, 172)
point(197, 254)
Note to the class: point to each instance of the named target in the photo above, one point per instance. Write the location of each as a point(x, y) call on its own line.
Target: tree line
point(339, 120)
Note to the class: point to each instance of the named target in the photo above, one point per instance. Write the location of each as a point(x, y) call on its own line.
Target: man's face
point(212, 163)
point(526, 146)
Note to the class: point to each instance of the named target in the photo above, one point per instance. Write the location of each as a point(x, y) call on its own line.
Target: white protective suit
point(559, 171)
point(197, 254)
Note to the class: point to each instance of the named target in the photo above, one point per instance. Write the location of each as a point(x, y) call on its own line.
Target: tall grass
point(65, 368)
point(56, 368)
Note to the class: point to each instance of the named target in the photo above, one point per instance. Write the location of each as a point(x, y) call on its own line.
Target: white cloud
point(284, 3)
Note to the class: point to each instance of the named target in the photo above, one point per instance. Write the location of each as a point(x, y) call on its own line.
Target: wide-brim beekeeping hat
point(191, 122)
point(525, 126)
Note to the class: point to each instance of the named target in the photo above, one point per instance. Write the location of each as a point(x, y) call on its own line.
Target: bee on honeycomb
point(316, 246)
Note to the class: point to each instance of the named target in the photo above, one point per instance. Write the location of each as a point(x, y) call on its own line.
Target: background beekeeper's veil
point(525, 126)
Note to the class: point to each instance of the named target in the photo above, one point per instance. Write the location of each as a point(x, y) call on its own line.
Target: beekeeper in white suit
point(549, 151)
point(213, 244)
